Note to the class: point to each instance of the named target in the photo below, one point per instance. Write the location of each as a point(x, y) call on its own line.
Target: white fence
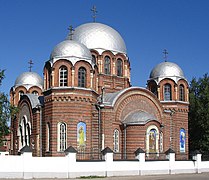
point(28, 167)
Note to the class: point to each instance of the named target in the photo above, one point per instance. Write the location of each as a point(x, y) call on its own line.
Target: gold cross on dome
point(30, 62)
point(94, 10)
point(71, 31)
point(165, 52)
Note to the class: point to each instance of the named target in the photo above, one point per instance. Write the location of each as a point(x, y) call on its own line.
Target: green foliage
point(6, 111)
point(199, 114)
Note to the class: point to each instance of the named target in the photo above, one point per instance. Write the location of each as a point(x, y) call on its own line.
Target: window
point(181, 93)
point(82, 77)
point(154, 90)
point(21, 93)
point(63, 76)
point(161, 142)
point(116, 141)
point(24, 132)
point(107, 65)
point(35, 92)
point(94, 59)
point(20, 136)
point(119, 67)
point(167, 92)
point(62, 136)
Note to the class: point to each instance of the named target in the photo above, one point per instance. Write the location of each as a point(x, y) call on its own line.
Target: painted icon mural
point(182, 140)
point(81, 135)
point(152, 140)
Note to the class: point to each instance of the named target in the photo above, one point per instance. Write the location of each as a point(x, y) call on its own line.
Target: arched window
point(63, 76)
point(119, 67)
point(21, 93)
point(152, 139)
point(47, 137)
point(107, 65)
point(35, 92)
point(62, 137)
point(24, 132)
point(20, 137)
point(181, 93)
point(94, 59)
point(82, 77)
point(154, 90)
point(28, 134)
point(161, 142)
point(116, 141)
point(167, 92)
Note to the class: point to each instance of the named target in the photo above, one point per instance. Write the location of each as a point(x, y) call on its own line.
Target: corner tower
point(168, 83)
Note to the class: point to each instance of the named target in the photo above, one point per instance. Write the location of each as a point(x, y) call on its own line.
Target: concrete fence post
point(197, 158)
point(70, 154)
point(26, 153)
point(140, 155)
point(107, 155)
point(170, 155)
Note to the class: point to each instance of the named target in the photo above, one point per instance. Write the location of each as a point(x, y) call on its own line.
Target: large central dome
point(99, 36)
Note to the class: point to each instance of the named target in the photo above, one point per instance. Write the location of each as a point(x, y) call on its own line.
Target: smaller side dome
point(166, 69)
point(72, 51)
point(29, 79)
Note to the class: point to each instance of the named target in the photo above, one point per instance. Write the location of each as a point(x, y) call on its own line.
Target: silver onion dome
point(72, 51)
point(29, 79)
point(167, 70)
point(100, 37)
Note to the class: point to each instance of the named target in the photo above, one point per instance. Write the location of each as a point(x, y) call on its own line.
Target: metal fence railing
point(88, 154)
point(155, 156)
point(123, 156)
point(205, 157)
point(95, 154)
point(182, 157)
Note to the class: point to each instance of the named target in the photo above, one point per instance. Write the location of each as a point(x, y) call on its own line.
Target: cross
point(165, 52)
point(71, 31)
point(94, 10)
point(30, 65)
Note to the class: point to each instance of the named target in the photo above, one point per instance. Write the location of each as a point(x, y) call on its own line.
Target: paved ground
point(202, 176)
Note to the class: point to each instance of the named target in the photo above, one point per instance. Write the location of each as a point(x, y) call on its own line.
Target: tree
point(6, 111)
point(199, 114)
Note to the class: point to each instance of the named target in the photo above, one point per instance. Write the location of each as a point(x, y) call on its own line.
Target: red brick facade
point(54, 124)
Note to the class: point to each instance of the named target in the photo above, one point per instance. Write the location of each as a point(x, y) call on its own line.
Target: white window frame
point(116, 138)
point(63, 76)
point(61, 143)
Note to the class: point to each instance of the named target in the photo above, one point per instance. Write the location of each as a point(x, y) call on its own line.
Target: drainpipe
point(40, 131)
point(99, 126)
point(99, 106)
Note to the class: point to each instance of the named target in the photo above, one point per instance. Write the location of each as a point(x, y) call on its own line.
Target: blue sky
point(29, 29)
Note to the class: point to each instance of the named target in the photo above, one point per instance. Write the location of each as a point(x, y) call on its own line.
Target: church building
point(85, 100)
